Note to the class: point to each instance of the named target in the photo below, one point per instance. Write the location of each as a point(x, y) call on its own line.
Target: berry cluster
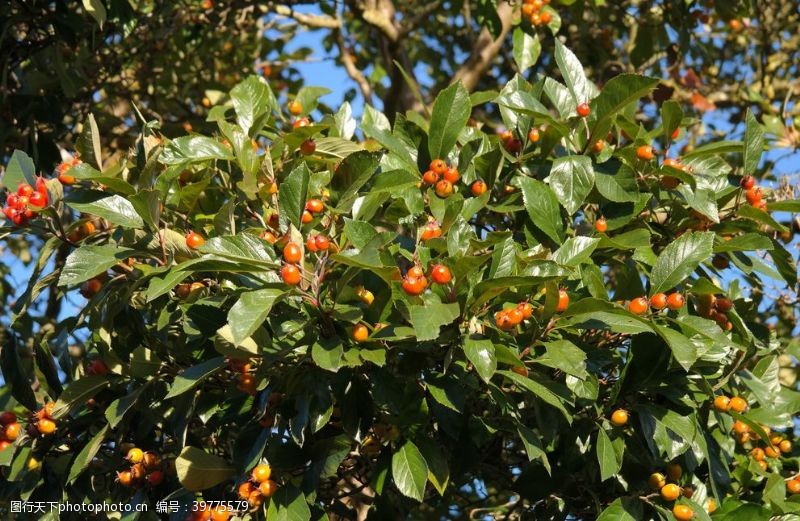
point(672, 491)
point(244, 373)
point(44, 422)
point(509, 318)
point(442, 177)
point(532, 10)
point(659, 301)
point(753, 193)
point(313, 207)
point(145, 469)
point(415, 281)
point(10, 429)
point(292, 255)
point(431, 230)
point(258, 487)
point(20, 204)
point(716, 309)
point(63, 168)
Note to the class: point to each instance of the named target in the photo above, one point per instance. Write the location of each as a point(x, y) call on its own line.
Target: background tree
point(547, 272)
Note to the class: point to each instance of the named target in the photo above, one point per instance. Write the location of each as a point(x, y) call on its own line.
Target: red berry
point(584, 110)
point(441, 274)
point(25, 189)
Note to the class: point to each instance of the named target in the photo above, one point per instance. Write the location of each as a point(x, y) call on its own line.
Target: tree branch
point(309, 20)
point(351, 69)
point(484, 51)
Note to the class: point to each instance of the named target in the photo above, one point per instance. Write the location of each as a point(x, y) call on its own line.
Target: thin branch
point(309, 20)
point(484, 51)
point(351, 69)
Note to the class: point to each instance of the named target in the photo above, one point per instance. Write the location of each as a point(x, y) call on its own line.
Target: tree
point(585, 316)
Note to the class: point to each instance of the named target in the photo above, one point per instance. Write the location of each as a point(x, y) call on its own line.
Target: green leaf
point(89, 261)
point(526, 49)
point(14, 374)
point(198, 470)
point(20, 169)
point(572, 179)
point(114, 208)
point(288, 504)
point(410, 471)
point(744, 242)
point(449, 115)
point(87, 453)
point(623, 509)
point(244, 248)
point(250, 311)
point(539, 390)
point(427, 320)
point(542, 207)
point(609, 454)
point(619, 92)
point(480, 352)
point(619, 321)
point(193, 149)
point(753, 144)
point(438, 470)
point(98, 11)
point(147, 203)
point(671, 116)
point(533, 446)
point(88, 144)
point(682, 348)
point(327, 353)
point(292, 195)
point(251, 100)
point(575, 251)
point(116, 410)
point(78, 392)
point(679, 259)
point(573, 74)
point(190, 378)
point(616, 182)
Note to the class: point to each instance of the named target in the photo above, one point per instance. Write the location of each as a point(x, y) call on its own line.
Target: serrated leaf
point(89, 261)
point(251, 99)
point(526, 49)
point(449, 115)
point(190, 378)
point(410, 471)
point(114, 208)
point(428, 319)
point(572, 179)
point(198, 470)
point(20, 169)
point(753, 143)
point(609, 454)
point(619, 92)
point(293, 193)
point(542, 207)
point(480, 352)
point(250, 311)
point(575, 251)
point(679, 259)
point(194, 149)
point(573, 74)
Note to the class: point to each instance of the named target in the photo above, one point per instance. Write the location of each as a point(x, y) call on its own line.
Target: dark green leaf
point(190, 378)
point(89, 261)
point(449, 115)
point(292, 195)
point(542, 207)
point(480, 352)
point(679, 259)
point(571, 179)
point(114, 208)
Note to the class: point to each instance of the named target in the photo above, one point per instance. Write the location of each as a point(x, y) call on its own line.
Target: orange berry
point(438, 166)
point(638, 306)
point(682, 512)
point(135, 455)
point(268, 488)
point(515, 316)
point(753, 196)
point(300, 123)
point(747, 182)
point(619, 417)
point(645, 153)
point(675, 301)
point(520, 370)
point(770, 452)
point(261, 473)
point(711, 505)
point(444, 188)
point(658, 301)
point(674, 471)
point(415, 271)
point(601, 225)
point(478, 188)
point(533, 135)
point(46, 426)
point(440, 274)
point(584, 110)
point(757, 454)
point(311, 244)
point(245, 489)
point(740, 427)
point(598, 146)
point(360, 333)
point(194, 240)
point(292, 253)
point(12, 431)
point(307, 217)
point(220, 513)
point(793, 486)
point(314, 205)
point(451, 175)
point(125, 478)
point(563, 301)
point(290, 274)
point(151, 460)
point(295, 108)
point(670, 492)
point(785, 446)
point(657, 481)
point(526, 308)
point(430, 177)
point(722, 403)
point(738, 404)
point(322, 243)
point(414, 285)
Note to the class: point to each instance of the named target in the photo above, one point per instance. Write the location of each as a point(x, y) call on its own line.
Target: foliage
point(531, 384)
